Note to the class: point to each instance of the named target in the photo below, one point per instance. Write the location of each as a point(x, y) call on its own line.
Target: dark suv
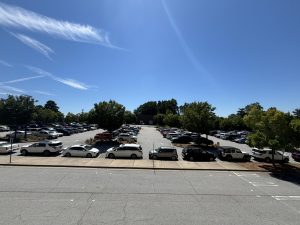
point(164, 152)
point(198, 154)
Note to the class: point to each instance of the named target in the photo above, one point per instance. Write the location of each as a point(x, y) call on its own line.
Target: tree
point(159, 119)
point(71, 117)
point(271, 128)
point(172, 120)
point(198, 117)
point(17, 110)
point(296, 113)
point(108, 115)
point(129, 117)
point(50, 104)
point(148, 108)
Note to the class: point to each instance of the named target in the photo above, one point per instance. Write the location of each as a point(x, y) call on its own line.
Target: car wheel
point(133, 156)
point(154, 157)
point(89, 155)
point(24, 152)
point(211, 159)
point(286, 160)
point(228, 157)
point(191, 158)
point(111, 156)
point(68, 154)
point(46, 153)
point(267, 159)
point(174, 158)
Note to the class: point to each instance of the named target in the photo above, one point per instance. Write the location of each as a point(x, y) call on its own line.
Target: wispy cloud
point(4, 63)
point(67, 81)
point(17, 17)
point(21, 79)
point(36, 45)
point(198, 66)
point(7, 88)
point(44, 93)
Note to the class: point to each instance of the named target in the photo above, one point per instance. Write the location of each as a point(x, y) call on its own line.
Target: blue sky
point(77, 53)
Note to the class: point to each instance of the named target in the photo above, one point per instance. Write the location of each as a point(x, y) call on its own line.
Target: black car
point(203, 141)
point(64, 131)
point(198, 154)
point(182, 139)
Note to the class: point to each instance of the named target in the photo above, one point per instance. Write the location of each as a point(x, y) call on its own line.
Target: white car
point(81, 151)
point(125, 151)
point(6, 147)
point(47, 134)
point(266, 155)
point(126, 137)
point(19, 134)
point(42, 147)
point(231, 153)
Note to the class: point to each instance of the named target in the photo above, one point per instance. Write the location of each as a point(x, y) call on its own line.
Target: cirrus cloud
point(17, 17)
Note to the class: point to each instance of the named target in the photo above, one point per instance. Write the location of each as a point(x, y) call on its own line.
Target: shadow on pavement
point(103, 146)
point(284, 172)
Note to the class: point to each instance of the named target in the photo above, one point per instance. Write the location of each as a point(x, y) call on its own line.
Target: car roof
point(167, 147)
point(130, 145)
point(227, 147)
point(49, 142)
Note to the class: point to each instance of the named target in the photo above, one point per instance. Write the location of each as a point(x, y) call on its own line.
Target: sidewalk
point(130, 164)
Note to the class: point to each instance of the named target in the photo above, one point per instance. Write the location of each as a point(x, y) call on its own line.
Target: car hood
point(153, 151)
point(110, 150)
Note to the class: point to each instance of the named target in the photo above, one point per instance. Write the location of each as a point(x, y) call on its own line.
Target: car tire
point(89, 155)
point(267, 160)
point(46, 153)
point(24, 152)
point(111, 156)
point(133, 156)
point(228, 157)
point(154, 157)
point(174, 158)
point(211, 159)
point(191, 158)
point(286, 160)
point(68, 154)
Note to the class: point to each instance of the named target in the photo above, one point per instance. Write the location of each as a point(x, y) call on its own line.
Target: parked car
point(241, 140)
point(182, 139)
point(231, 153)
point(266, 155)
point(126, 137)
point(296, 154)
point(6, 147)
point(65, 132)
point(164, 152)
point(197, 154)
point(46, 134)
point(203, 141)
point(4, 128)
point(104, 136)
point(81, 151)
point(125, 151)
point(42, 147)
point(19, 134)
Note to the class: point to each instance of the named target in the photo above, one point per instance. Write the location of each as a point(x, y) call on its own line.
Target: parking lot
point(149, 138)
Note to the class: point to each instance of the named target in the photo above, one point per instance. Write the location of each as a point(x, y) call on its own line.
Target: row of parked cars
point(52, 132)
point(179, 136)
point(235, 135)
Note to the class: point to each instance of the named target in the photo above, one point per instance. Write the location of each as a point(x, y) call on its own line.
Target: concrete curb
point(131, 168)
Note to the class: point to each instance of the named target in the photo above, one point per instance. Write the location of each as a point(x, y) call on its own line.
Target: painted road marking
point(247, 175)
point(263, 184)
point(286, 198)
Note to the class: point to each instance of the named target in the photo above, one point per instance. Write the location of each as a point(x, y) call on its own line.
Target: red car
point(296, 155)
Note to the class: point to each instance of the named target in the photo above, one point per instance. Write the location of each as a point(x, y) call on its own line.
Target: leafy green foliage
point(108, 115)
point(129, 117)
point(172, 120)
point(198, 117)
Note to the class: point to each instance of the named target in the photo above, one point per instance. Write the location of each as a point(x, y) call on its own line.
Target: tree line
point(270, 127)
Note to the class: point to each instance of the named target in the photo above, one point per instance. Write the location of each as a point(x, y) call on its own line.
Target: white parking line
point(247, 175)
point(263, 184)
point(286, 198)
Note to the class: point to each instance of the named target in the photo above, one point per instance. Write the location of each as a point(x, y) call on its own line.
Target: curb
point(131, 168)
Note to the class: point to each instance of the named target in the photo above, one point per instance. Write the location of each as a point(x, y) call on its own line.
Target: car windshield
point(88, 147)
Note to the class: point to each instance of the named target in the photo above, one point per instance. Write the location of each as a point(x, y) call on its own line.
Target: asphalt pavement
point(30, 195)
